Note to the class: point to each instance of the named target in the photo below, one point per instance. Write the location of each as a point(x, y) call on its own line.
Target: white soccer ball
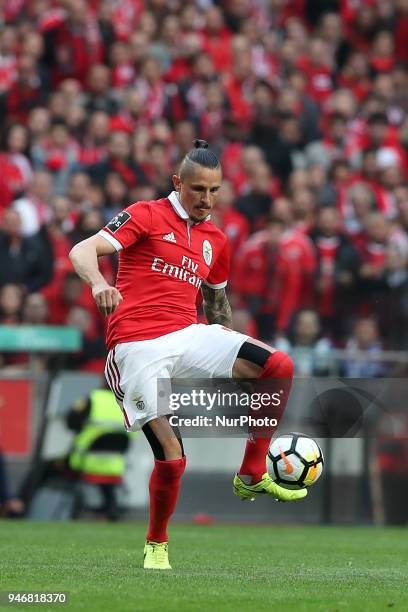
point(294, 461)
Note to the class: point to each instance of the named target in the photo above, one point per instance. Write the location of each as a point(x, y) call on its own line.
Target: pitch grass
point(216, 568)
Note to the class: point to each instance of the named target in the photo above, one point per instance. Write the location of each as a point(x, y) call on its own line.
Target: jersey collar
point(175, 202)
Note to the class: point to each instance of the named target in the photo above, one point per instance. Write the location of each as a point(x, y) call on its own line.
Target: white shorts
point(197, 351)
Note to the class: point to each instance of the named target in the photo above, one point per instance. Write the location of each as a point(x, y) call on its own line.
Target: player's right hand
point(107, 298)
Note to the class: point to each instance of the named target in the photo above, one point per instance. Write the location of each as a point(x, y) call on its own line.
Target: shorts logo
point(138, 399)
point(117, 222)
point(207, 252)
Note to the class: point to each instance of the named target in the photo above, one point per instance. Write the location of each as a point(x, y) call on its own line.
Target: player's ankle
point(156, 539)
point(250, 479)
point(246, 478)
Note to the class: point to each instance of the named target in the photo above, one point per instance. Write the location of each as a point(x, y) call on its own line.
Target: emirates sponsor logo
point(186, 272)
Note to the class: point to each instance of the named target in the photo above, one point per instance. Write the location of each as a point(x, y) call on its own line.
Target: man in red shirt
point(273, 275)
point(168, 250)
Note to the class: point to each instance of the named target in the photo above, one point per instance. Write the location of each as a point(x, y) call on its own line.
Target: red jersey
point(164, 258)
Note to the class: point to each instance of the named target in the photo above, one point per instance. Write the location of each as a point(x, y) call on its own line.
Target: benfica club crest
point(207, 252)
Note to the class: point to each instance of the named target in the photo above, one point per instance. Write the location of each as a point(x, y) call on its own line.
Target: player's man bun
point(200, 144)
point(200, 155)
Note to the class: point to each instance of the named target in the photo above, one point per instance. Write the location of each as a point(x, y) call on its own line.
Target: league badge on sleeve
point(207, 252)
point(117, 222)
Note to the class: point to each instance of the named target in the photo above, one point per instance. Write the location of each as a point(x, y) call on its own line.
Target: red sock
point(164, 486)
point(278, 365)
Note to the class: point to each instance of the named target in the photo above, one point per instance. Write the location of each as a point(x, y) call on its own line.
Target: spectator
point(118, 160)
point(62, 298)
point(273, 275)
point(92, 356)
point(286, 142)
point(93, 145)
point(165, 49)
point(365, 337)
point(355, 75)
point(78, 190)
point(58, 154)
point(158, 168)
point(11, 300)
point(151, 85)
point(232, 222)
point(217, 38)
point(33, 207)
point(213, 115)
point(25, 261)
point(57, 233)
point(243, 322)
point(8, 58)
point(38, 124)
point(35, 310)
point(256, 202)
point(359, 202)
point(73, 42)
point(337, 270)
point(382, 54)
point(10, 506)
point(123, 72)
point(116, 195)
point(89, 223)
point(311, 353)
point(379, 234)
point(139, 48)
point(304, 209)
point(393, 306)
point(239, 162)
point(133, 113)
point(184, 134)
point(401, 200)
point(17, 146)
point(25, 93)
point(99, 98)
point(309, 109)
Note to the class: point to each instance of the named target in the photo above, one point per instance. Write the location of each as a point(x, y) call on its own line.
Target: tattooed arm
point(216, 306)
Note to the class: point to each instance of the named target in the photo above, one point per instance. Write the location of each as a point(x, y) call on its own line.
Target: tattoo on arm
point(216, 306)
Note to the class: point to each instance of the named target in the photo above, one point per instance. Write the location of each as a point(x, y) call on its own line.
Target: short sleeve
point(129, 226)
point(218, 276)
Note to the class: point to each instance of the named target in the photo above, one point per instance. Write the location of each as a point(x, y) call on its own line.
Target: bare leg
point(166, 437)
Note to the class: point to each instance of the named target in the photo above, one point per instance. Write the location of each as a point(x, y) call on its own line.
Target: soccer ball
point(294, 461)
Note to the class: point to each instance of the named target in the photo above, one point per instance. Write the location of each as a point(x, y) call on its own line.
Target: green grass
point(216, 568)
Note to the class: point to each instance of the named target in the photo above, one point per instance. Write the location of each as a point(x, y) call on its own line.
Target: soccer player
point(168, 250)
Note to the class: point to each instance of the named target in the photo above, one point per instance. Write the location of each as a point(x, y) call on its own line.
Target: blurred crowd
point(305, 102)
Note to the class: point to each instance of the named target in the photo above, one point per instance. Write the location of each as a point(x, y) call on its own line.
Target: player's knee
point(278, 365)
point(165, 440)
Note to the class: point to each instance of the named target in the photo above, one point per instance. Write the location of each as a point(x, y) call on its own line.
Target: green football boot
point(266, 486)
point(156, 556)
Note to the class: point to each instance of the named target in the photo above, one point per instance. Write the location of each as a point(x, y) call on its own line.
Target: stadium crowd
point(305, 102)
